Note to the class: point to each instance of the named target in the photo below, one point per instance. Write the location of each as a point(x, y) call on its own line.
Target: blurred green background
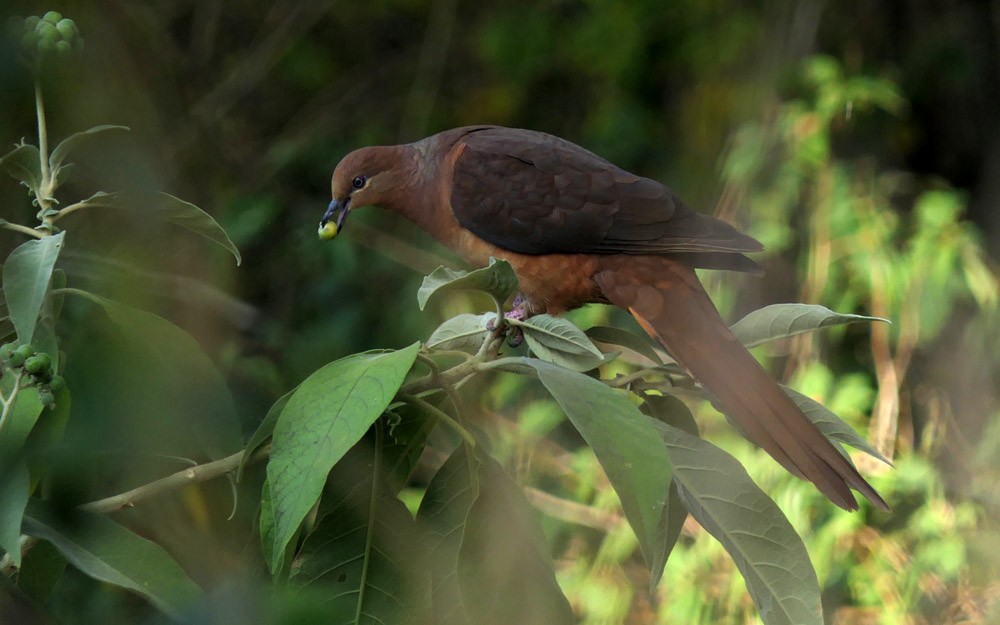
point(859, 141)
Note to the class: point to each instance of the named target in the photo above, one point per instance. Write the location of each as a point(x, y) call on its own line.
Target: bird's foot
point(519, 312)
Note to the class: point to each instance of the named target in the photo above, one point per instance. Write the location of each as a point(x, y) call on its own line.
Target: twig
point(23, 230)
point(191, 475)
point(441, 415)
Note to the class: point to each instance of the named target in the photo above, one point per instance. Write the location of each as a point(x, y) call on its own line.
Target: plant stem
point(23, 230)
point(8, 402)
point(184, 477)
point(45, 189)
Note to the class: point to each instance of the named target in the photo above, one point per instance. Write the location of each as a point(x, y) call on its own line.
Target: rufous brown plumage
point(578, 230)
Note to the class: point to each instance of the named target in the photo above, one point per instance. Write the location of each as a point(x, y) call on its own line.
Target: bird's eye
point(359, 182)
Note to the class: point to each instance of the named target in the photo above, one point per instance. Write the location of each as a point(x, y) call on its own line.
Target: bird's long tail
point(670, 303)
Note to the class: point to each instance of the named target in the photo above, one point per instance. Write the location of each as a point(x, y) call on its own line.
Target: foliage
point(373, 503)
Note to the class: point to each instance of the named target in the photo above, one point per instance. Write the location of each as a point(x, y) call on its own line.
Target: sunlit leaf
point(720, 495)
point(159, 205)
point(557, 340)
point(106, 551)
point(26, 275)
point(497, 279)
point(328, 413)
point(783, 320)
point(462, 332)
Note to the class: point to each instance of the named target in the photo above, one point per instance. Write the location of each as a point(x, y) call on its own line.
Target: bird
point(577, 230)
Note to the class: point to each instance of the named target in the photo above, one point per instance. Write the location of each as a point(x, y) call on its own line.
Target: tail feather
point(669, 302)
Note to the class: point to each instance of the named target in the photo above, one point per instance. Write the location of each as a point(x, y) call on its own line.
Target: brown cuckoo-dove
point(577, 229)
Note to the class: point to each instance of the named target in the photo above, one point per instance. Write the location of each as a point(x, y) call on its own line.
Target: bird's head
point(365, 177)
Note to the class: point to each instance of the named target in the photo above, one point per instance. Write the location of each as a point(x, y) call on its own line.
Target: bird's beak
point(334, 218)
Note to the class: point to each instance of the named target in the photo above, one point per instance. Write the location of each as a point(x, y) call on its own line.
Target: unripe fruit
point(26, 351)
point(43, 28)
point(39, 364)
point(52, 17)
point(63, 48)
point(29, 40)
point(7, 349)
point(16, 359)
point(327, 231)
point(46, 45)
point(67, 28)
point(57, 383)
point(31, 21)
point(48, 399)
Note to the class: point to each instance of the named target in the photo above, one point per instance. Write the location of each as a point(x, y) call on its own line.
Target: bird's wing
point(534, 193)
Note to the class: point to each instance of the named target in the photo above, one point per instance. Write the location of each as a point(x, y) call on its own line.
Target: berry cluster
point(36, 370)
point(50, 34)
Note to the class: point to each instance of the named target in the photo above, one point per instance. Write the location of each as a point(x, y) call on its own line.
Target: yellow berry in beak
point(327, 231)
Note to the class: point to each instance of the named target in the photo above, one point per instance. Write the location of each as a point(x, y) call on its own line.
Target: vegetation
point(169, 452)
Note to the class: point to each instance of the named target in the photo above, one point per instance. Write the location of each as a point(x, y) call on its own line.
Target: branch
point(23, 230)
point(185, 477)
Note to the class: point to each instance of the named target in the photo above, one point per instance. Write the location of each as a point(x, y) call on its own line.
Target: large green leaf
point(15, 486)
point(329, 412)
point(159, 205)
point(70, 143)
point(626, 444)
point(26, 275)
point(263, 431)
point(176, 367)
point(24, 163)
point(443, 515)
point(783, 320)
point(505, 572)
point(108, 552)
point(465, 331)
point(497, 279)
point(489, 562)
point(617, 336)
point(365, 552)
point(557, 340)
point(717, 491)
point(832, 426)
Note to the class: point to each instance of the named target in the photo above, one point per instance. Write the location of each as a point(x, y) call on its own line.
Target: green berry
point(63, 48)
point(31, 21)
point(7, 349)
point(39, 364)
point(48, 399)
point(67, 28)
point(52, 17)
point(45, 27)
point(26, 351)
point(57, 383)
point(16, 359)
point(46, 45)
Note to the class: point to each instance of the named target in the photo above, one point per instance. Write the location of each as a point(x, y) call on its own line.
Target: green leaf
point(779, 321)
point(329, 412)
point(366, 553)
point(505, 572)
point(485, 548)
point(267, 537)
point(832, 426)
point(106, 551)
point(717, 491)
point(42, 567)
point(463, 332)
point(443, 515)
point(161, 205)
point(617, 336)
point(26, 275)
point(15, 487)
point(263, 431)
point(626, 444)
point(68, 144)
point(409, 425)
point(181, 369)
point(557, 340)
point(25, 164)
point(497, 279)
point(20, 421)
